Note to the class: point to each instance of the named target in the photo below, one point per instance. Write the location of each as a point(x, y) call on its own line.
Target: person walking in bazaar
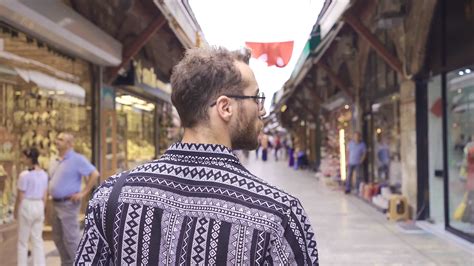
point(197, 204)
point(29, 208)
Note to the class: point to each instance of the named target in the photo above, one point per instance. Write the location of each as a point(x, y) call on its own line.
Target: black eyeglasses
point(259, 99)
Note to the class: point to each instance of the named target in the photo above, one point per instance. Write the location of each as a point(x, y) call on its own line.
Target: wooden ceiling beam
point(373, 41)
point(131, 50)
point(336, 80)
point(313, 93)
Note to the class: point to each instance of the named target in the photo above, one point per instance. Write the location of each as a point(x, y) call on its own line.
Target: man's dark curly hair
point(201, 77)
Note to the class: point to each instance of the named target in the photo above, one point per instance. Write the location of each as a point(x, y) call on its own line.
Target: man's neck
point(205, 136)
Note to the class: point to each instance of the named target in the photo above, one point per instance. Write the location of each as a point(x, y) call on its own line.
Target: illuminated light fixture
point(461, 73)
point(132, 99)
point(295, 118)
point(283, 108)
point(342, 150)
point(468, 71)
point(61, 92)
point(51, 92)
point(18, 93)
point(302, 123)
point(123, 101)
point(394, 97)
point(145, 107)
point(459, 90)
point(379, 130)
point(346, 107)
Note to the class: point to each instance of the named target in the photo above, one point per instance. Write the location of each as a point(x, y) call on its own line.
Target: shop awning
point(60, 87)
point(59, 25)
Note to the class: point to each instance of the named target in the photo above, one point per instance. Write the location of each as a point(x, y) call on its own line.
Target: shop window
point(384, 160)
point(42, 93)
point(460, 140)
point(135, 130)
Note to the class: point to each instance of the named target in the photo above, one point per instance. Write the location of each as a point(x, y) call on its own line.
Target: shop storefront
point(137, 120)
point(452, 197)
point(336, 133)
point(42, 93)
point(381, 120)
point(382, 133)
point(450, 115)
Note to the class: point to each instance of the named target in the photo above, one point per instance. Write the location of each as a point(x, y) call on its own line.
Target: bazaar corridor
point(350, 231)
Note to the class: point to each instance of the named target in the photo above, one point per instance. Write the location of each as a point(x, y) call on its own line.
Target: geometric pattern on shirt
point(203, 173)
point(259, 251)
point(209, 207)
point(147, 226)
point(131, 230)
point(232, 194)
point(170, 230)
point(214, 242)
point(92, 242)
point(116, 228)
point(187, 240)
point(227, 192)
point(199, 241)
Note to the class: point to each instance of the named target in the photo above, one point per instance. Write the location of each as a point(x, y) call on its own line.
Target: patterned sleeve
point(93, 248)
point(297, 246)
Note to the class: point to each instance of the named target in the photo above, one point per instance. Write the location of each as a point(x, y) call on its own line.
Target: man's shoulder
point(101, 194)
point(79, 156)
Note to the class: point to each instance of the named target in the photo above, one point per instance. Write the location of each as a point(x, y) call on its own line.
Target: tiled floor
point(349, 231)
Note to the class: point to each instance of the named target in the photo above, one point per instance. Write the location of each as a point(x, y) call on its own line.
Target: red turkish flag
point(274, 53)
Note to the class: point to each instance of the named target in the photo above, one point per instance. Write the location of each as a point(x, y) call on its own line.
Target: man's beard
point(244, 135)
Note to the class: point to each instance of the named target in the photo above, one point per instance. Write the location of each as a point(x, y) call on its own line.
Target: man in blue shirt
point(356, 156)
point(65, 188)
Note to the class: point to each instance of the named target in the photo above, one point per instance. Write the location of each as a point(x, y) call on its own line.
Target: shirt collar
point(68, 154)
point(205, 150)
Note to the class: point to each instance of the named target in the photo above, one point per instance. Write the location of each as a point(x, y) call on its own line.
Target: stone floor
point(349, 231)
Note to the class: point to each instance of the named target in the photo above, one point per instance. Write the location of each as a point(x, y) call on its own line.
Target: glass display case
point(135, 130)
point(41, 95)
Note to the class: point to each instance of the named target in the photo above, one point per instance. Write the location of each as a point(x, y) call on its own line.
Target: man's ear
point(224, 108)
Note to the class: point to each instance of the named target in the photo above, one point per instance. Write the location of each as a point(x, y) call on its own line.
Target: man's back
point(197, 205)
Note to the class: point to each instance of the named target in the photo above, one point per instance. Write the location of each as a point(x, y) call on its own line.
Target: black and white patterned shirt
point(197, 205)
